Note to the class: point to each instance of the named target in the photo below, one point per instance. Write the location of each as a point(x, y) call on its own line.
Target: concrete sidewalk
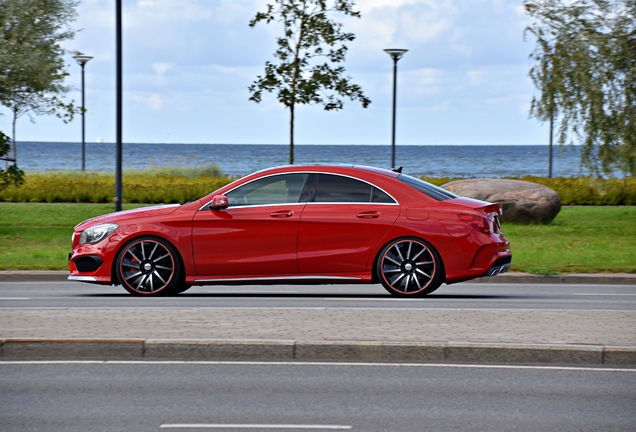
point(511, 277)
point(322, 334)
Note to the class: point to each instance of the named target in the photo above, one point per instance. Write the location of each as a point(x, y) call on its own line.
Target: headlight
point(97, 233)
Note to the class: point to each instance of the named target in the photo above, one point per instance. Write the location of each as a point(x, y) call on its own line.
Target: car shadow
point(187, 295)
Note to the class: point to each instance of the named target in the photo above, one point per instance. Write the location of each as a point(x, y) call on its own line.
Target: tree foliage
point(585, 69)
point(12, 175)
point(32, 69)
point(309, 54)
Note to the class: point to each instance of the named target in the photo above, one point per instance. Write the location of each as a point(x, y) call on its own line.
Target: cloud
point(152, 102)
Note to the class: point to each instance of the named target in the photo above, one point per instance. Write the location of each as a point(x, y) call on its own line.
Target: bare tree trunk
point(15, 151)
point(291, 135)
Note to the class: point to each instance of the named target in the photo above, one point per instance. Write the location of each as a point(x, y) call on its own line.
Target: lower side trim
point(279, 279)
point(82, 278)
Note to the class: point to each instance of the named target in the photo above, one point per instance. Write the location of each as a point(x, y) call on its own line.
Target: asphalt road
point(458, 296)
point(145, 396)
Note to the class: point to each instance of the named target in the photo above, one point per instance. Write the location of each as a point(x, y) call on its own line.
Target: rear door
point(343, 220)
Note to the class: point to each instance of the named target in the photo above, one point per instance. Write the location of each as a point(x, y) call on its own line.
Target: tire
point(149, 266)
point(409, 267)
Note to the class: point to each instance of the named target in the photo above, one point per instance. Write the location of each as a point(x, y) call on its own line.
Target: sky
point(187, 66)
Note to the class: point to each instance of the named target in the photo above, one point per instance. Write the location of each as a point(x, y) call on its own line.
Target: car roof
point(381, 171)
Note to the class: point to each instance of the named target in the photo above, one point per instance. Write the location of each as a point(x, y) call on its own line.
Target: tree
point(300, 77)
point(585, 70)
point(12, 175)
point(31, 64)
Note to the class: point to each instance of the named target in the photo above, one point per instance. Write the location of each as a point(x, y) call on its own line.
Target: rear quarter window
point(435, 192)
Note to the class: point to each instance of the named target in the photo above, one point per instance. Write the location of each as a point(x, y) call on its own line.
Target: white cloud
point(152, 102)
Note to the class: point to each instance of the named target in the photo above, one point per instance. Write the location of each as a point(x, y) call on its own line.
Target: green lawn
point(580, 240)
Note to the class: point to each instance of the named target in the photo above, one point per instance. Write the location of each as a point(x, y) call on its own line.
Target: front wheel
point(409, 267)
point(149, 266)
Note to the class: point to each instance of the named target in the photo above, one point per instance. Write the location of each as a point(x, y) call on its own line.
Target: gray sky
point(188, 63)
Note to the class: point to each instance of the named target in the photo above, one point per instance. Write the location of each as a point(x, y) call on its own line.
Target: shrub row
point(93, 187)
point(177, 186)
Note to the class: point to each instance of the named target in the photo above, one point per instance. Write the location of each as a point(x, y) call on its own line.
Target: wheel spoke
point(392, 270)
point(156, 273)
point(417, 281)
point(143, 250)
point(160, 258)
point(406, 283)
point(133, 275)
point(163, 267)
point(419, 253)
point(424, 263)
point(140, 281)
point(398, 278)
point(153, 251)
point(133, 255)
point(424, 273)
point(397, 248)
point(129, 263)
point(152, 287)
point(392, 260)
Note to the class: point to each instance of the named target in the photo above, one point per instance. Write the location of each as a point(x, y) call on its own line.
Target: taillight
point(479, 223)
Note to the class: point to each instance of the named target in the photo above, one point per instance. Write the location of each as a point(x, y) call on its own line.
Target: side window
point(335, 188)
point(277, 189)
point(381, 197)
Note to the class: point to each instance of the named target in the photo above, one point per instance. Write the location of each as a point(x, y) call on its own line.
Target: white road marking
point(296, 363)
point(602, 294)
point(15, 298)
point(251, 426)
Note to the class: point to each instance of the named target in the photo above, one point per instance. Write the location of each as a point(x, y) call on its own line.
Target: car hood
point(121, 216)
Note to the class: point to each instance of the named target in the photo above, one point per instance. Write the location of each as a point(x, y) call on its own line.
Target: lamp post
point(82, 60)
point(395, 54)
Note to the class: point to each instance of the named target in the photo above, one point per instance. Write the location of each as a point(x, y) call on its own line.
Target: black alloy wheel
point(409, 267)
point(149, 266)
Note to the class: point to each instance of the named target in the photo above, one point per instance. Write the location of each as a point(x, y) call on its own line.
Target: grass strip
point(580, 239)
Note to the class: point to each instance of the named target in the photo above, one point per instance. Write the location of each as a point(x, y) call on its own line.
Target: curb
point(277, 350)
point(506, 278)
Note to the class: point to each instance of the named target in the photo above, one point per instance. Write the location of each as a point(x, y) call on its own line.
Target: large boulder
point(521, 202)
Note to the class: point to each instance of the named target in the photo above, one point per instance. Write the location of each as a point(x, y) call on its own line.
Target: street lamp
point(396, 54)
point(82, 60)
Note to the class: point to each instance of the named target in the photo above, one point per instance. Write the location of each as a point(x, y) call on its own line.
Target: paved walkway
point(501, 336)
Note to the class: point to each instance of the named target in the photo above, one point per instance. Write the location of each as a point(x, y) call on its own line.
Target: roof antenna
point(397, 170)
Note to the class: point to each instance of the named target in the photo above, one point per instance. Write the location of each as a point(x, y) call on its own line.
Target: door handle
point(281, 214)
point(369, 215)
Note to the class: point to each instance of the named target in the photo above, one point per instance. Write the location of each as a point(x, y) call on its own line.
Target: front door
point(257, 235)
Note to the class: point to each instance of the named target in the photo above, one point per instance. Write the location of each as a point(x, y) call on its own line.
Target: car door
point(343, 221)
point(256, 235)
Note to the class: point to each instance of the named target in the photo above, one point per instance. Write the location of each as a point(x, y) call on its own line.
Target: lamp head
point(81, 58)
point(396, 53)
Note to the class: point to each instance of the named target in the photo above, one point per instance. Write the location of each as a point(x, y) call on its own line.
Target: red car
point(301, 225)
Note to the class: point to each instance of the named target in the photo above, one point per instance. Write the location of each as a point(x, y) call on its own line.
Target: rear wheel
point(409, 267)
point(149, 266)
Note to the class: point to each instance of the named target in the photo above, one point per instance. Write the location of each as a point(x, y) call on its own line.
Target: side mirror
point(219, 202)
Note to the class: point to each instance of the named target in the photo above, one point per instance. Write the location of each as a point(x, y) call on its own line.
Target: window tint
point(426, 188)
point(278, 189)
point(381, 197)
point(335, 188)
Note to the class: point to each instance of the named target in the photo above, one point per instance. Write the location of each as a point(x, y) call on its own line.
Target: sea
point(468, 161)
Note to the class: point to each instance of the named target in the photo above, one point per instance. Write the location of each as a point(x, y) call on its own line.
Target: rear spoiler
point(493, 208)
